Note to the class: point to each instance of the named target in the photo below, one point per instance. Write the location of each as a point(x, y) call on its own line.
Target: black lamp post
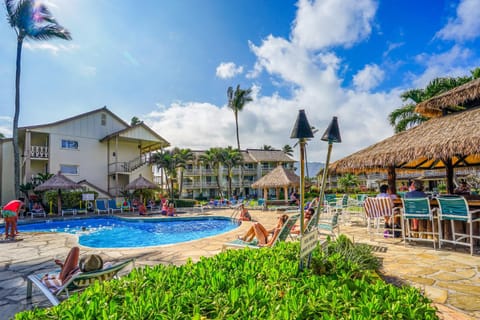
point(302, 131)
point(331, 135)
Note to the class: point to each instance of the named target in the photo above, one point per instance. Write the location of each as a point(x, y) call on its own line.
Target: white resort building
point(96, 149)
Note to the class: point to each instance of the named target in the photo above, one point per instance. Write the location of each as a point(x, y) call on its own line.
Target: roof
point(104, 109)
point(58, 181)
point(142, 132)
point(278, 177)
point(425, 146)
point(141, 183)
point(259, 155)
point(466, 95)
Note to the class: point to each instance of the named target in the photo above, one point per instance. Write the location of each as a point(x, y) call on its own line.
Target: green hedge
point(185, 203)
point(250, 284)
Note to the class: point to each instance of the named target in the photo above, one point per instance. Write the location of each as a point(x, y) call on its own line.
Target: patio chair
point(376, 209)
point(456, 210)
point(282, 236)
point(76, 283)
point(328, 225)
point(112, 206)
point(37, 212)
point(100, 207)
point(418, 208)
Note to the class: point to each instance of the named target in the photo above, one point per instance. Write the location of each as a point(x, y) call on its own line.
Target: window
point(69, 144)
point(104, 119)
point(68, 169)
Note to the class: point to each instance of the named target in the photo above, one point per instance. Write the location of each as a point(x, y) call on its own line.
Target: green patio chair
point(417, 208)
point(76, 283)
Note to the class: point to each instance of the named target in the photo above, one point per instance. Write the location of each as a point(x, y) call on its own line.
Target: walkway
point(450, 279)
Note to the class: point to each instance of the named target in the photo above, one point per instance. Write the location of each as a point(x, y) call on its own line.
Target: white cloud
point(368, 78)
point(50, 47)
point(228, 70)
point(6, 126)
point(465, 25)
point(451, 63)
point(326, 23)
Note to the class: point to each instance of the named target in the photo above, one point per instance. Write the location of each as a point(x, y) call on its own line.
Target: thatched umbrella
point(58, 182)
point(446, 142)
point(141, 183)
point(279, 177)
point(466, 95)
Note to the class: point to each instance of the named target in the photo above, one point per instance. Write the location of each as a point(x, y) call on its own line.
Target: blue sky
point(170, 63)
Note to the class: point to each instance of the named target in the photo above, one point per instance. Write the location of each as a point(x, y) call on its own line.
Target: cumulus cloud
point(228, 70)
point(368, 78)
point(466, 25)
point(326, 23)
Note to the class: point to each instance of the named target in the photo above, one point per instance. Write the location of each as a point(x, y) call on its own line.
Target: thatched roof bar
point(467, 95)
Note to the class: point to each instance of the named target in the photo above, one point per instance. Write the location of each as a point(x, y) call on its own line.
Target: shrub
point(249, 284)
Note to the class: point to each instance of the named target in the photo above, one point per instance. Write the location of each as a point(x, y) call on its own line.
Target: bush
point(184, 203)
point(250, 284)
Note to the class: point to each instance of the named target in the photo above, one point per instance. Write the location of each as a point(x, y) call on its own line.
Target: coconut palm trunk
point(16, 152)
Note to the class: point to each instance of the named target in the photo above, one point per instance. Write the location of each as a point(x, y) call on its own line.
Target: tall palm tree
point(230, 158)
point(267, 147)
point(405, 117)
point(182, 156)
point(288, 150)
point(236, 101)
point(134, 121)
point(213, 159)
point(31, 20)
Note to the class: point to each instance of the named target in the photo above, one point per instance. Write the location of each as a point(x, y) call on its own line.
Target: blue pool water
point(113, 232)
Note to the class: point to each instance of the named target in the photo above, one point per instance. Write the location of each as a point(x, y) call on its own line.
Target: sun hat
point(91, 262)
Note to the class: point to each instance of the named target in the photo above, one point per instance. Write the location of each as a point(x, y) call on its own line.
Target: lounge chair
point(282, 236)
point(112, 206)
point(100, 207)
point(77, 282)
point(37, 212)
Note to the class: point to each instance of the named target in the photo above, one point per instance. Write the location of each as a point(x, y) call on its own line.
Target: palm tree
point(166, 160)
point(230, 158)
point(288, 150)
point(267, 147)
point(30, 20)
point(236, 101)
point(405, 117)
point(213, 158)
point(348, 180)
point(182, 156)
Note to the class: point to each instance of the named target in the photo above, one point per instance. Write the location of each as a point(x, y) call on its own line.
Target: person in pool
point(265, 237)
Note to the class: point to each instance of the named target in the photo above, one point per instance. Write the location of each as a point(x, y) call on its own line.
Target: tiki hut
point(141, 183)
point(277, 179)
point(58, 182)
point(466, 95)
point(445, 142)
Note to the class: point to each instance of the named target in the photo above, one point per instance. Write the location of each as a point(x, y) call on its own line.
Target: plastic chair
point(376, 209)
point(418, 208)
point(100, 207)
point(456, 210)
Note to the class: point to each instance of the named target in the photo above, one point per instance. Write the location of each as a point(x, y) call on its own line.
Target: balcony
point(38, 152)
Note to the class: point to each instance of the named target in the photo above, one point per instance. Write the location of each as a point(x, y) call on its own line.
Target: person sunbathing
point(244, 214)
point(308, 216)
point(71, 266)
point(265, 237)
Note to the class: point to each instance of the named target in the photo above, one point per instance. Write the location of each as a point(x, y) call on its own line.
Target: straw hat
point(91, 262)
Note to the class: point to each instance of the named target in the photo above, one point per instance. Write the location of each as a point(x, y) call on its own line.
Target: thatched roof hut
point(446, 142)
point(466, 95)
point(424, 146)
point(141, 183)
point(58, 182)
point(279, 177)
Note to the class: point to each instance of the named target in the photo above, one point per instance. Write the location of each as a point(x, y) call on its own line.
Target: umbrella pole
point(59, 202)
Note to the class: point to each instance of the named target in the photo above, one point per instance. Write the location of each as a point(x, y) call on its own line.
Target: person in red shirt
point(10, 214)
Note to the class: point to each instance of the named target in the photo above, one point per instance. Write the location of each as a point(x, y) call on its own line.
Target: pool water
point(114, 232)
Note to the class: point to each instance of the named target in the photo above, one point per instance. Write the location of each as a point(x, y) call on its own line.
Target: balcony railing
point(39, 152)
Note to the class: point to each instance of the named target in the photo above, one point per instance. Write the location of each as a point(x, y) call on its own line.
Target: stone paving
point(451, 279)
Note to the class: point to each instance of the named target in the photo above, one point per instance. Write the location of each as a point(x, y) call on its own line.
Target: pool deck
point(450, 278)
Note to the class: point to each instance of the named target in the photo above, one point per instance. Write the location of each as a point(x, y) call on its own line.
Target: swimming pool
point(113, 232)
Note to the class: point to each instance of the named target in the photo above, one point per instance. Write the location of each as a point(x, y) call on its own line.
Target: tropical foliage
point(288, 150)
point(348, 181)
point(30, 20)
point(212, 159)
point(230, 158)
point(251, 284)
point(405, 117)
